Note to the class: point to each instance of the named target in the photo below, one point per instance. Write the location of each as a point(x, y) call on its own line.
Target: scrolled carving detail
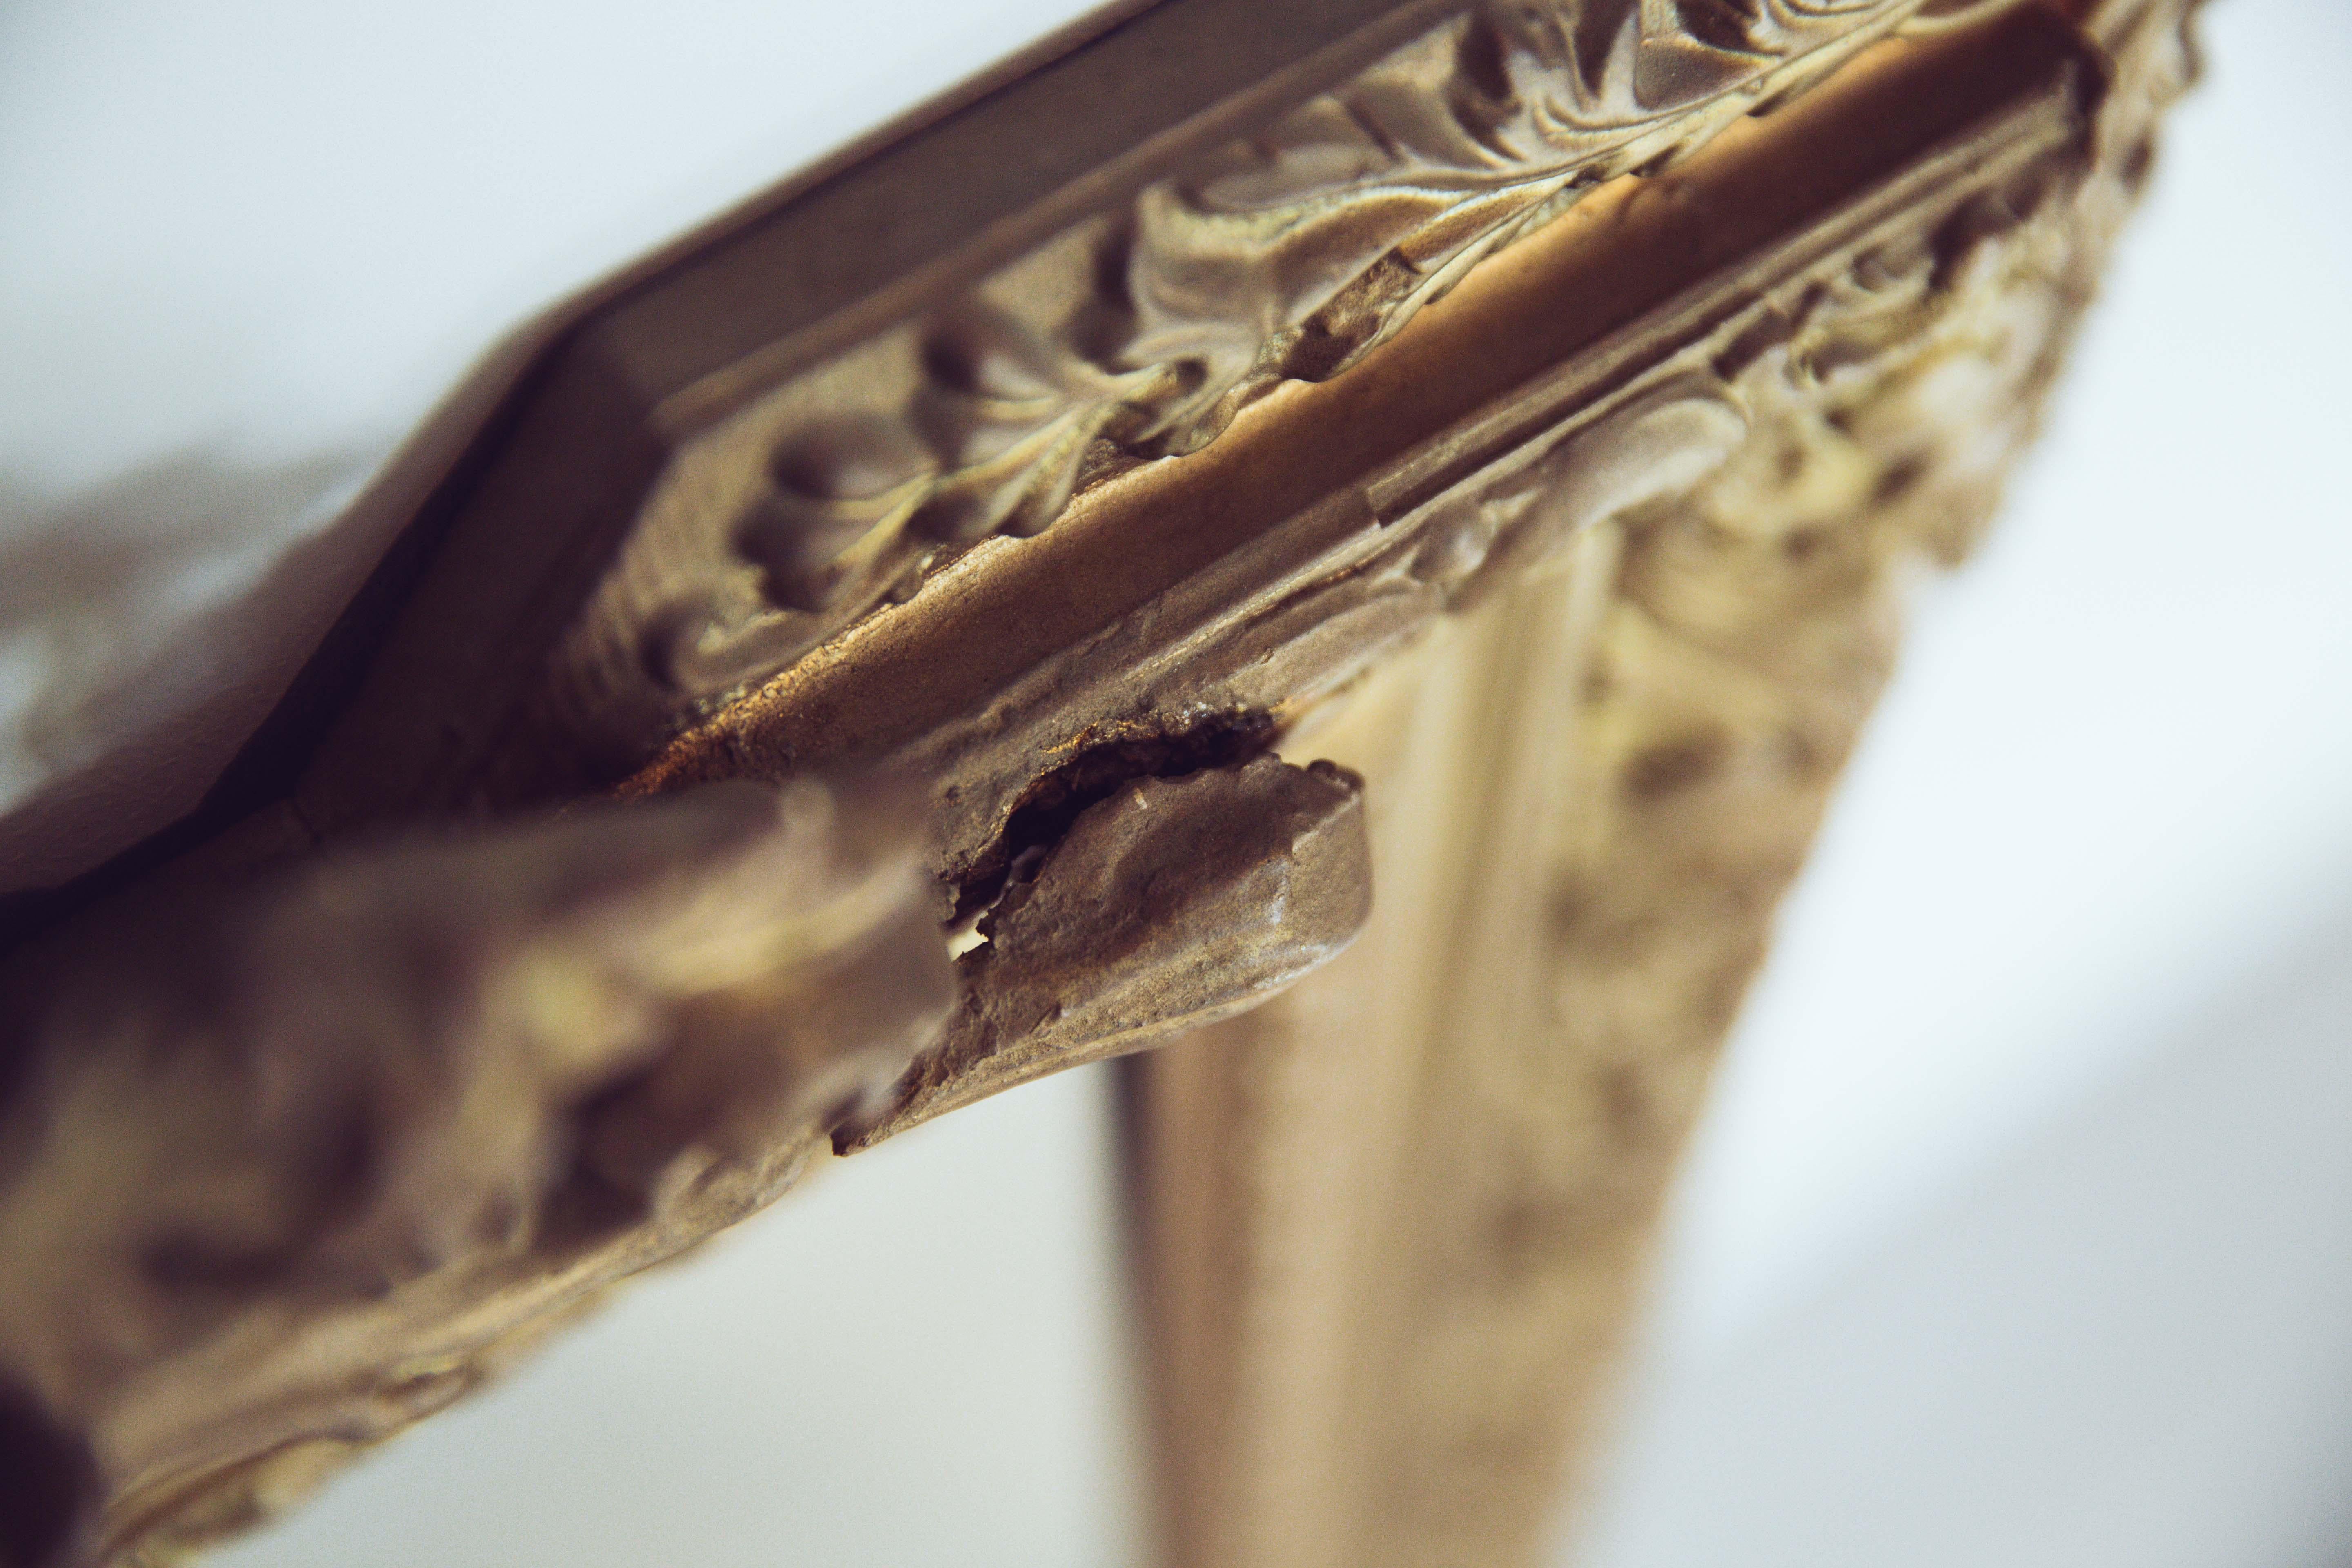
point(288, 1164)
point(1141, 332)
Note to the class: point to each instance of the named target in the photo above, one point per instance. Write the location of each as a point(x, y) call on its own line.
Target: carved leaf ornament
point(1142, 331)
point(293, 1156)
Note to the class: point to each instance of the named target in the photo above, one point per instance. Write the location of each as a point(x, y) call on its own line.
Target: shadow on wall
point(2125, 1348)
point(146, 627)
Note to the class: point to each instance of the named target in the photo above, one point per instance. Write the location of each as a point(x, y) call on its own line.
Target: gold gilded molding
point(1241, 586)
point(1493, 404)
point(290, 1162)
point(1141, 332)
point(1397, 1223)
point(286, 1166)
point(715, 466)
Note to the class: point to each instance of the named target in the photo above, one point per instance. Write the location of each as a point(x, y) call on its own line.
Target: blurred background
point(2021, 1229)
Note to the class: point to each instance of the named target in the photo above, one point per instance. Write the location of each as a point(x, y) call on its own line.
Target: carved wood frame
point(1484, 398)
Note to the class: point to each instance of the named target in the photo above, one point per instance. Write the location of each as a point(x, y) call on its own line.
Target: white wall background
point(2021, 1229)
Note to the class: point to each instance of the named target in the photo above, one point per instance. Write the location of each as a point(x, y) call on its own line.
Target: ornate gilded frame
point(904, 593)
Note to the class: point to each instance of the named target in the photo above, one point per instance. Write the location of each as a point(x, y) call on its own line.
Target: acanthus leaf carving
point(1141, 333)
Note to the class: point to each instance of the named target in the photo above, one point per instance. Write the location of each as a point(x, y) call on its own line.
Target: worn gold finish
point(1395, 1223)
point(1484, 402)
point(728, 462)
point(285, 1167)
